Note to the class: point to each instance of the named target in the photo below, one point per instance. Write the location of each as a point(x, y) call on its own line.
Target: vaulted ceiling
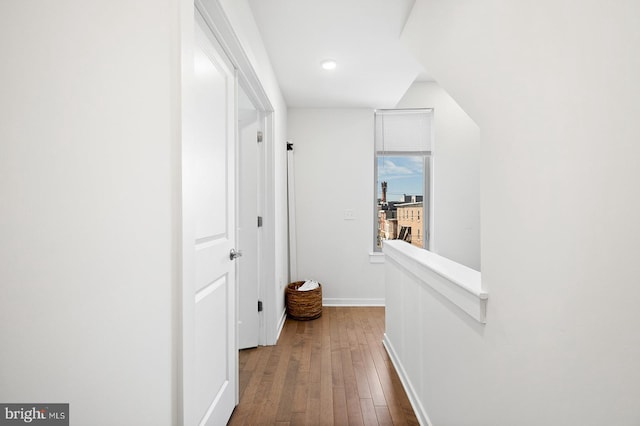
point(363, 36)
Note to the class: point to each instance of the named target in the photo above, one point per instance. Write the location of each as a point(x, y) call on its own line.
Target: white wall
point(275, 267)
point(553, 86)
point(455, 186)
point(89, 167)
point(333, 151)
point(87, 177)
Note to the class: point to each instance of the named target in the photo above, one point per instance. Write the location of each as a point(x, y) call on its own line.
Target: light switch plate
point(349, 214)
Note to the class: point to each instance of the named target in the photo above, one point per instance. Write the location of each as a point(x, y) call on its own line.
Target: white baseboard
point(418, 409)
point(352, 302)
point(281, 321)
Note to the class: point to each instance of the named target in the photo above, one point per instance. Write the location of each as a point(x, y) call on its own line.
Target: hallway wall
point(90, 125)
point(553, 86)
point(88, 168)
point(455, 170)
point(334, 172)
point(333, 151)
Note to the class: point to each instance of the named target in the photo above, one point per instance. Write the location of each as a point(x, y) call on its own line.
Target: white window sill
point(376, 257)
point(460, 284)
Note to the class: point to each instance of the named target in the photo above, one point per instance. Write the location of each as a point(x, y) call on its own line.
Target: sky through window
point(403, 174)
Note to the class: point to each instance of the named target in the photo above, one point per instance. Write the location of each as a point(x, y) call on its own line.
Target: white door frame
point(208, 390)
point(218, 22)
point(214, 16)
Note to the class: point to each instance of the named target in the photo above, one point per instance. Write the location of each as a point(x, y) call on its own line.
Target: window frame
point(426, 155)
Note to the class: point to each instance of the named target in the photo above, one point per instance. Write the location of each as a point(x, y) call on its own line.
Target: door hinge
point(259, 221)
point(260, 136)
point(259, 305)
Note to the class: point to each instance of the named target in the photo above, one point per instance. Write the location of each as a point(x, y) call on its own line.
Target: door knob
point(234, 253)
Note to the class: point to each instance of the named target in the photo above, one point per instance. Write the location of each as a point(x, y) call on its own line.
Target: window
point(402, 159)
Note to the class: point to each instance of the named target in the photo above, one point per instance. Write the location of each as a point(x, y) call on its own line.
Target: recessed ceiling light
point(329, 64)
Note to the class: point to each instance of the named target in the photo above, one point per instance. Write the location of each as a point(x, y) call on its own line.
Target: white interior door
point(209, 305)
point(248, 212)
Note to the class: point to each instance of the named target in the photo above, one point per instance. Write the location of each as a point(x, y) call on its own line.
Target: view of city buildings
point(400, 220)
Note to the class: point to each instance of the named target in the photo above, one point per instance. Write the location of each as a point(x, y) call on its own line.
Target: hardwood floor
point(330, 371)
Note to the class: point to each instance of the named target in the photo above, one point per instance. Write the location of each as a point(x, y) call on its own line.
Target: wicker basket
point(303, 305)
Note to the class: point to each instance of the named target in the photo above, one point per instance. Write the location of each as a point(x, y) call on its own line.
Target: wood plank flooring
point(330, 371)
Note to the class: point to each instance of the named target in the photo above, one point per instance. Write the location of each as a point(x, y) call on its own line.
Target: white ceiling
point(374, 69)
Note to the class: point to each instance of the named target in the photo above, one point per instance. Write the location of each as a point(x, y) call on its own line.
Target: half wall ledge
point(459, 284)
